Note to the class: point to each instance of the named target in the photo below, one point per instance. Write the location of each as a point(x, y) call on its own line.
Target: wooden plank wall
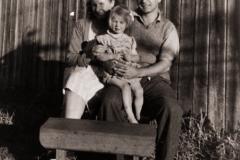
point(34, 36)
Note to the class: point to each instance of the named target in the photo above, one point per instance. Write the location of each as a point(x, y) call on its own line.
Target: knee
point(138, 92)
point(172, 107)
point(126, 87)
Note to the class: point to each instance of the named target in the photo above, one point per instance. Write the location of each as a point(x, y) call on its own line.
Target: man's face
point(100, 8)
point(148, 6)
point(117, 23)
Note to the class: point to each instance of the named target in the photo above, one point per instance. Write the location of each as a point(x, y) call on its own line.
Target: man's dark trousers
point(160, 103)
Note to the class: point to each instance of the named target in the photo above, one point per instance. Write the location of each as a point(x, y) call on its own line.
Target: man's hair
point(124, 12)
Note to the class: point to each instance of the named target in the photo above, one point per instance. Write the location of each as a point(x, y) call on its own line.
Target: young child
point(121, 18)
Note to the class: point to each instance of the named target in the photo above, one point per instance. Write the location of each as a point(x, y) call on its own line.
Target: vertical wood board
point(201, 56)
point(217, 62)
point(233, 66)
point(186, 54)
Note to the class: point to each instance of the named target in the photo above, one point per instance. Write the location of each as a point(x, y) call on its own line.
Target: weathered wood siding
point(34, 36)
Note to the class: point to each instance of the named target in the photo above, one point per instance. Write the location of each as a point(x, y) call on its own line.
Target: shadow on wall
point(35, 71)
point(33, 65)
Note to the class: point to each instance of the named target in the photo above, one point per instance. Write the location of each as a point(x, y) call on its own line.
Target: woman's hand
point(126, 71)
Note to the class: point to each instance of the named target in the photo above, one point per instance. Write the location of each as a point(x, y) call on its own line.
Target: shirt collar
point(137, 13)
point(116, 36)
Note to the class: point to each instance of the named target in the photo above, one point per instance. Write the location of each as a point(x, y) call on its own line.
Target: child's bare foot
point(138, 116)
point(132, 120)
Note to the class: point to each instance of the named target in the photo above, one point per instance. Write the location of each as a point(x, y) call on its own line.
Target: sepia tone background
point(34, 36)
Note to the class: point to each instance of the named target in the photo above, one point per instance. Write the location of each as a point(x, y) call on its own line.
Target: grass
point(22, 113)
point(199, 140)
point(5, 118)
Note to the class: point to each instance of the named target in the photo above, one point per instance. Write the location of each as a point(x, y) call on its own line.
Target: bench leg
point(135, 158)
point(61, 154)
point(121, 157)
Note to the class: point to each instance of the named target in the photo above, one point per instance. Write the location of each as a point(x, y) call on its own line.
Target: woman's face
point(101, 8)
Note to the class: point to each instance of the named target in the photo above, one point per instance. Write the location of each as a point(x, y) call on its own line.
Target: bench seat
point(98, 136)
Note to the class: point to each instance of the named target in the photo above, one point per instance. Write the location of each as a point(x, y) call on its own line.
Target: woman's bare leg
point(138, 99)
point(127, 98)
point(75, 105)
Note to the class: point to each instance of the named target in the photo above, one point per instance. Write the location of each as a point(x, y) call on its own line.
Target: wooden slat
point(173, 11)
point(40, 45)
point(71, 19)
point(233, 66)
point(12, 50)
point(132, 4)
point(45, 42)
point(18, 41)
point(5, 41)
point(61, 154)
point(63, 32)
point(82, 9)
point(186, 54)
point(201, 55)
point(98, 136)
point(28, 54)
point(1, 38)
point(163, 7)
point(217, 62)
point(54, 46)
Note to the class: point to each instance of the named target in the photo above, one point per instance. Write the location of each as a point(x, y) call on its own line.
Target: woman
point(86, 29)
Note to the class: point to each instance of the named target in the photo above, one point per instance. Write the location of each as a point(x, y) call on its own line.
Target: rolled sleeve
point(170, 47)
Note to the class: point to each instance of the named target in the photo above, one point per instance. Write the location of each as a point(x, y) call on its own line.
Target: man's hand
point(126, 71)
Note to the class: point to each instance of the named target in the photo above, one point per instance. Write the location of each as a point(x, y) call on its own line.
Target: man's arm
point(169, 49)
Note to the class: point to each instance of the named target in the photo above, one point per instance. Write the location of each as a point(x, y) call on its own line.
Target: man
point(154, 36)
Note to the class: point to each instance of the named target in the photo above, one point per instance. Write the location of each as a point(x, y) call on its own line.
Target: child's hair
point(122, 11)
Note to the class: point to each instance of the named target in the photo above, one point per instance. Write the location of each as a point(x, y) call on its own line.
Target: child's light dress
point(118, 42)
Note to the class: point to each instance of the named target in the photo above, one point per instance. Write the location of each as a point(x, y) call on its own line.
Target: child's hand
point(103, 40)
point(127, 57)
point(126, 51)
point(117, 56)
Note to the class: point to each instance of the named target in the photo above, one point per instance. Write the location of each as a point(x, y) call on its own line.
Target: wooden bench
point(97, 136)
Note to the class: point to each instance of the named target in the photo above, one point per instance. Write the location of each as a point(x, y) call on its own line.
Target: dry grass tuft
point(5, 155)
point(200, 140)
point(5, 118)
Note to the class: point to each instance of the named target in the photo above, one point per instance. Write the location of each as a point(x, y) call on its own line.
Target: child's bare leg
point(138, 100)
point(127, 99)
point(75, 105)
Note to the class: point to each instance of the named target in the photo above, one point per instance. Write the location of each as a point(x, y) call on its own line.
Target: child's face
point(117, 24)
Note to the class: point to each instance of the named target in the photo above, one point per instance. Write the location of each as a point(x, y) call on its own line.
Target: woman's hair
point(124, 12)
point(89, 9)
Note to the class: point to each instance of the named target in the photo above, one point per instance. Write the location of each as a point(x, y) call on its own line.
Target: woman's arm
point(73, 58)
point(104, 53)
